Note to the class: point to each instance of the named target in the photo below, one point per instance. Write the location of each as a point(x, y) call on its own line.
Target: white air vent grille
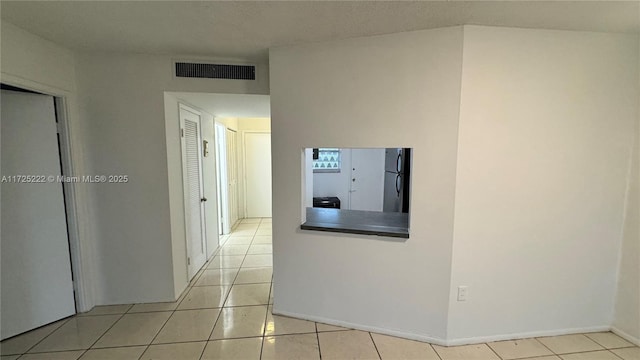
point(215, 71)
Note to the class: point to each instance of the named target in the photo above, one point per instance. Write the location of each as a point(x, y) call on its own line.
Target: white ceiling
point(229, 105)
point(245, 30)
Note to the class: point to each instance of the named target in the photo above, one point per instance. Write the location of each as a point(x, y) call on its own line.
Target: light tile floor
point(226, 314)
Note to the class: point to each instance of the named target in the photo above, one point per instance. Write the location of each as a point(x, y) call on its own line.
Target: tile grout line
point(374, 345)
point(435, 351)
point(490, 348)
point(606, 348)
point(266, 315)
point(159, 331)
point(228, 294)
point(318, 340)
point(83, 350)
point(543, 344)
point(105, 332)
point(614, 354)
point(41, 340)
point(190, 286)
point(224, 302)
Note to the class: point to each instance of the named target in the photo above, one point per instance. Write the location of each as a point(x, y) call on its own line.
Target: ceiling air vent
point(215, 71)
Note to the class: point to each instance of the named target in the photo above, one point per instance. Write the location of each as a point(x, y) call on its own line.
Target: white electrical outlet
point(462, 293)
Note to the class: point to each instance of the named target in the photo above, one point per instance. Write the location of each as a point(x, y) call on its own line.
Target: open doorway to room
point(233, 144)
point(243, 170)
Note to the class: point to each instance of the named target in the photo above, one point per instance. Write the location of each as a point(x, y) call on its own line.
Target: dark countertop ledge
point(389, 224)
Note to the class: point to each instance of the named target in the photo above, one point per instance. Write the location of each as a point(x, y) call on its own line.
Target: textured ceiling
point(245, 30)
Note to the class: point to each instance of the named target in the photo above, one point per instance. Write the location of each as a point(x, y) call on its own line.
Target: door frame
point(222, 176)
point(75, 194)
point(230, 164)
point(244, 165)
point(203, 232)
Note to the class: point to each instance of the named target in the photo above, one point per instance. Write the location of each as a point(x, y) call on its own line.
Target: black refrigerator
point(397, 168)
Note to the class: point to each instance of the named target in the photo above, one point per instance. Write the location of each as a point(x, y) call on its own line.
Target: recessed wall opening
point(363, 191)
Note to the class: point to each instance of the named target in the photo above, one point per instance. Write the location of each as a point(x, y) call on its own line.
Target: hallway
point(225, 313)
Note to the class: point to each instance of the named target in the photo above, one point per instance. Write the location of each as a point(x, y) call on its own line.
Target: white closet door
point(36, 269)
point(193, 194)
point(258, 174)
point(232, 175)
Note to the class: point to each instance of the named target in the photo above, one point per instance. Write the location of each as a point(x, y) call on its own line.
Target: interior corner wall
point(546, 127)
point(122, 106)
point(367, 282)
point(627, 309)
point(178, 235)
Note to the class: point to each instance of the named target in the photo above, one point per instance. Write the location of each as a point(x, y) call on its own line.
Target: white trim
point(78, 225)
point(401, 334)
point(230, 164)
point(459, 341)
point(626, 336)
point(222, 175)
point(526, 335)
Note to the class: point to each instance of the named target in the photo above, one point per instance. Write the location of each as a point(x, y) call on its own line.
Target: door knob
point(203, 199)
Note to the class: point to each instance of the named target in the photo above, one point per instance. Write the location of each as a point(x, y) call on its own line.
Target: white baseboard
point(525, 335)
point(626, 336)
point(460, 341)
point(405, 335)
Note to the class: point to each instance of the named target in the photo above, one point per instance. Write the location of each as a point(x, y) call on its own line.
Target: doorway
point(218, 113)
point(37, 282)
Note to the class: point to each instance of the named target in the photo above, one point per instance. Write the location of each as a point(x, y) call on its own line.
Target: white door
point(367, 179)
point(36, 269)
point(257, 153)
point(232, 176)
point(193, 194)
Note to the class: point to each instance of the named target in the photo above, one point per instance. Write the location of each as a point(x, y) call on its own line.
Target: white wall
point(139, 226)
point(627, 308)
point(40, 61)
point(33, 63)
point(370, 282)
point(546, 126)
point(179, 270)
